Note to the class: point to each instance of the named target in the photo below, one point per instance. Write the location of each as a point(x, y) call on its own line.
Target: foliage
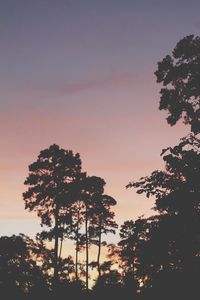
point(180, 77)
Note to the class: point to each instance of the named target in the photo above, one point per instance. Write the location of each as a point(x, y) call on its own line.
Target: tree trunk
point(99, 250)
point(133, 272)
point(61, 244)
point(76, 271)
point(77, 245)
point(87, 245)
point(55, 276)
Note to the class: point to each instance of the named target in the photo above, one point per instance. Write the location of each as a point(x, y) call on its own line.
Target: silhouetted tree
point(131, 234)
point(180, 76)
point(91, 187)
point(21, 262)
point(77, 211)
point(176, 232)
point(102, 221)
point(109, 286)
point(76, 234)
point(171, 245)
point(50, 183)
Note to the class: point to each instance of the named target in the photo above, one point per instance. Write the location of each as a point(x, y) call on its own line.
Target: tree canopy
point(179, 73)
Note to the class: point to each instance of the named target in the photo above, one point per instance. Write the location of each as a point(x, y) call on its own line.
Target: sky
point(80, 73)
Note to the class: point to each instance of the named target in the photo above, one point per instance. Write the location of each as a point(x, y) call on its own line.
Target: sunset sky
point(79, 73)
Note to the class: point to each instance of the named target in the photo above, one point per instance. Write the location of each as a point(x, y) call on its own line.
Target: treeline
point(156, 257)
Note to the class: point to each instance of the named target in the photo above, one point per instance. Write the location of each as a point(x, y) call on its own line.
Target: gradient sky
point(79, 73)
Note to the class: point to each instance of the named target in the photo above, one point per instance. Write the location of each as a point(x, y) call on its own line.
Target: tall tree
point(92, 186)
point(131, 232)
point(177, 194)
point(172, 239)
point(76, 232)
point(102, 221)
point(50, 192)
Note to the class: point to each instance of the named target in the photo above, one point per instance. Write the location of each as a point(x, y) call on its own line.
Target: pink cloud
point(51, 87)
point(115, 80)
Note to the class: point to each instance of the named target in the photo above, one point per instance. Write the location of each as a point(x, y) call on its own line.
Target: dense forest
point(156, 257)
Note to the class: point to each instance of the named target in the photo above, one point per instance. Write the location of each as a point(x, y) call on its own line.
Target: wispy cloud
point(53, 86)
point(123, 80)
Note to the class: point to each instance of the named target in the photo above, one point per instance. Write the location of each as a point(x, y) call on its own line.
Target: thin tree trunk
point(55, 277)
point(99, 250)
point(77, 245)
point(133, 273)
point(76, 260)
point(61, 244)
point(87, 245)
